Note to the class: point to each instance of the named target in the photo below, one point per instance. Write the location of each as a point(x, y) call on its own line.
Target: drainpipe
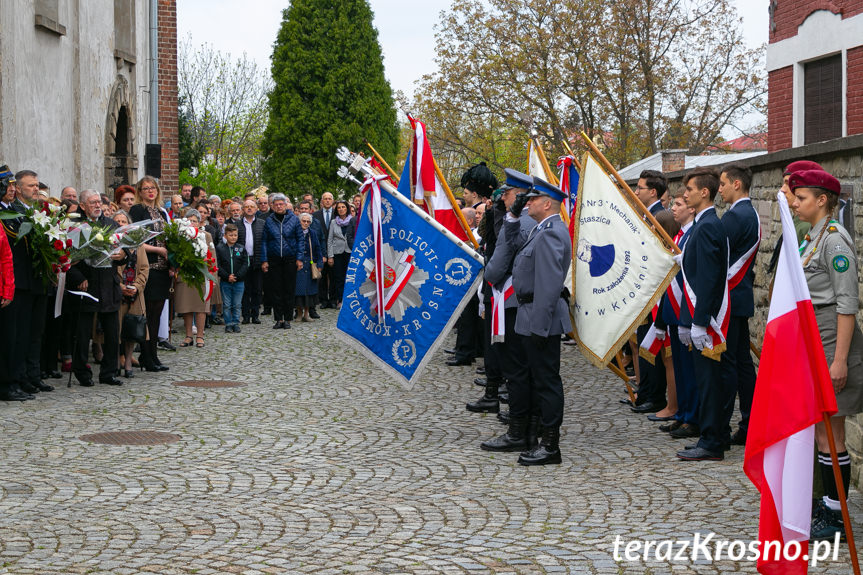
point(154, 71)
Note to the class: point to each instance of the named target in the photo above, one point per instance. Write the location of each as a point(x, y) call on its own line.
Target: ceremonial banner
point(428, 277)
point(622, 268)
point(792, 394)
point(534, 162)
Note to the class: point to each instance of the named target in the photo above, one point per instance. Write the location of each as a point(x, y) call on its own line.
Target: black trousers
point(337, 272)
point(491, 352)
point(653, 384)
point(12, 359)
point(543, 378)
point(283, 280)
point(33, 331)
point(52, 337)
point(149, 348)
point(738, 371)
point(110, 321)
point(512, 355)
point(327, 286)
point(713, 408)
point(252, 293)
point(27, 312)
point(468, 326)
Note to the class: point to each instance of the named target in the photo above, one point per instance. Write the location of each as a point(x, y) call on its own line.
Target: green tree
point(329, 91)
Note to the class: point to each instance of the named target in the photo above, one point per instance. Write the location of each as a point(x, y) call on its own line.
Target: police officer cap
point(517, 179)
point(6, 177)
point(801, 165)
point(543, 188)
point(479, 179)
point(814, 179)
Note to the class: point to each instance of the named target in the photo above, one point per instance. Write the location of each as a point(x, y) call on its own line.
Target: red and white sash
point(738, 269)
point(371, 185)
point(718, 327)
point(652, 345)
point(674, 291)
point(498, 310)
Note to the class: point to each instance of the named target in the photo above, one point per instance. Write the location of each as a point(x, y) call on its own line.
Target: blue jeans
point(232, 301)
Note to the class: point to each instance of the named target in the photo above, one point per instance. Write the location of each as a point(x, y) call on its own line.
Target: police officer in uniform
point(830, 266)
point(538, 274)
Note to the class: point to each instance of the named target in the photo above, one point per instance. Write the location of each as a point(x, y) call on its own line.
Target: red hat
point(801, 165)
point(814, 179)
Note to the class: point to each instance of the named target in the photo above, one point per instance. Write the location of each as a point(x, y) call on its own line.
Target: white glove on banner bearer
point(683, 334)
point(700, 339)
point(658, 333)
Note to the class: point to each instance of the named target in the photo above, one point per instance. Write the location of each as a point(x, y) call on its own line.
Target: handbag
point(316, 273)
point(134, 328)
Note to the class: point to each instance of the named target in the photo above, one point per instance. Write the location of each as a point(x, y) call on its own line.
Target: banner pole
point(840, 487)
point(455, 207)
point(383, 162)
point(552, 177)
point(660, 231)
point(571, 153)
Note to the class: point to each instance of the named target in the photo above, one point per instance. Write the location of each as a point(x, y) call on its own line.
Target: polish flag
point(427, 188)
point(792, 393)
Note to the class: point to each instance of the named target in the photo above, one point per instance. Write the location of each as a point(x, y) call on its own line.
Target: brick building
point(815, 71)
point(88, 91)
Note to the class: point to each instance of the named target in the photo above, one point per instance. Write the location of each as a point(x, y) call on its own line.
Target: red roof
point(748, 143)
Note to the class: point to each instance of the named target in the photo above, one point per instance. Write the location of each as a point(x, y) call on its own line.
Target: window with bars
point(822, 99)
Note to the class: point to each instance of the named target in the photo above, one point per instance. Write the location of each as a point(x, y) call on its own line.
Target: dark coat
point(232, 260)
point(318, 216)
point(741, 226)
point(705, 263)
point(305, 284)
point(102, 283)
point(27, 278)
point(257, 238)
point(282, 239)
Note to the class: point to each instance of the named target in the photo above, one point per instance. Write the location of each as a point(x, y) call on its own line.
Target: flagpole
point(571, 153)
point(552, 178)
point(633, 199)
point(455, 207)
point(383, 162)
point(840, 488)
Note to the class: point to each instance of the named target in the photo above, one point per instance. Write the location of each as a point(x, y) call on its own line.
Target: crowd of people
point(282, 259)
point(691, 387)
point(271, 259)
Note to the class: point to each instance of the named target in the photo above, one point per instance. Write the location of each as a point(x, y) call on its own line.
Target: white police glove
point(683, 334)
point(658, 333)
point(700, 339)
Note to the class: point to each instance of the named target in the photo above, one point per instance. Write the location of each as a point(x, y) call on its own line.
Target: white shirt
point(702, 212)
point(250, 237)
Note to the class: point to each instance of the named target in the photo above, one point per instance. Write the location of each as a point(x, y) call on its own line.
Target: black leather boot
point(534, 430)
point(515, 439)
point(488, 403)
point(547, 452)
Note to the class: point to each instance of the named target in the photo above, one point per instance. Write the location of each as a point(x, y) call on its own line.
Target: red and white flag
point(427, 188)
point(792, 393)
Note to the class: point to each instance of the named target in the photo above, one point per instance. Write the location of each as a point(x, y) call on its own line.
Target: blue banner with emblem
point(429, 276)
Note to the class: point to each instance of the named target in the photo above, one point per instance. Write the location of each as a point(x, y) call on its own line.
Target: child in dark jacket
point(233, 265)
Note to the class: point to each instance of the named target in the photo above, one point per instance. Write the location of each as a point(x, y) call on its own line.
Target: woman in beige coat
point(133, 279)
point(188, 302)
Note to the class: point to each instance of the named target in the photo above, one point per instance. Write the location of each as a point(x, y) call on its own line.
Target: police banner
point(621, 266)
point(428, 276)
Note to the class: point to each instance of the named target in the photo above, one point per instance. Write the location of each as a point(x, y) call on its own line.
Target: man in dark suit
point(743, 229)
point(651, 389)
point(326, 287)
point(538, 273)
point(705, 270)
point(250, 233)
point(103, 283)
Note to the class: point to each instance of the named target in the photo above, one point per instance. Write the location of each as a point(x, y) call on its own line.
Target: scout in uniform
point(830, 266)
point(538, 274)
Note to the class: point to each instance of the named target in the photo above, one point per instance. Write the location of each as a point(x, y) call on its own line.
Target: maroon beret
point(801, 165)
point(814, 179)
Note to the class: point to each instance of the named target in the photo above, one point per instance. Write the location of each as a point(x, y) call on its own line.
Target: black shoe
point(27, 387)
point(699, 454)
point(449, 351)
point(546, 453)
point(455, 362)
point(111, 381)
point(42, 386)
point(725, 446)
point(669, 427)
point(55, 374)
point(236, 328)
point(503, 397)
point(739, 437)
point(534, 430)
point(229, 329)
point(648, 407)
point(684, 431)
point(216, 320)
point(15, 395)
point(654, 417)
point(166, 345)
point(128, 374)
point(480, 370)
point(826, 523)
point(256, 321)
point(86, 383)
point(279, 325)
point(480, 381)
point(161, 367)
point(245, 321)
point(287, 325)
point(485, 404)
point(503, 417)
point(314, 314)
point(514, 440)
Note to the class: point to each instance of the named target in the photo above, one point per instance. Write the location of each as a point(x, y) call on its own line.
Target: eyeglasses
point(149, 189)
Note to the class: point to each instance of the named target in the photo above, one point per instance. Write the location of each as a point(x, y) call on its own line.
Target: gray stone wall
point(844, 159)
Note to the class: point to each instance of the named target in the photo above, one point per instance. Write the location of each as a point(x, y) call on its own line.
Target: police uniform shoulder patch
point(840, 263)
point(831, 229)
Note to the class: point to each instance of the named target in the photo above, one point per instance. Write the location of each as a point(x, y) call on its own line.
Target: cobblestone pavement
point(321, 465)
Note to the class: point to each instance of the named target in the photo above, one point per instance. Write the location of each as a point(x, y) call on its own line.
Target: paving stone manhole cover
point(209, 383)
point(131, 438)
